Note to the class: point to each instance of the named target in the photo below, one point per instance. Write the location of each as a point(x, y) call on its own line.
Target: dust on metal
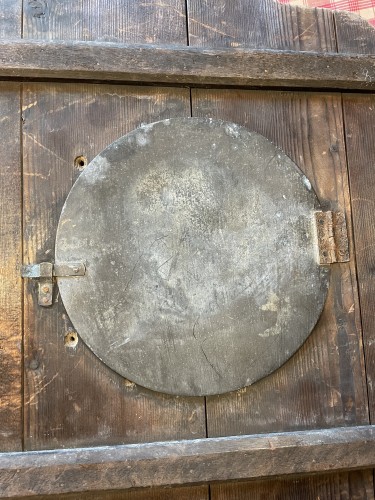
point(202, 263)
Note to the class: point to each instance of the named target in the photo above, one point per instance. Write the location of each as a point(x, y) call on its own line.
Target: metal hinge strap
point(45, 272)
point(332, 237)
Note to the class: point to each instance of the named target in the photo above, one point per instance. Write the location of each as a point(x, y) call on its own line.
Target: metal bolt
point(45, 289)
point(46, 300)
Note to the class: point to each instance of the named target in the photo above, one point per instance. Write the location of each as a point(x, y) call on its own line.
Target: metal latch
point(45, 272)
point(332, 237)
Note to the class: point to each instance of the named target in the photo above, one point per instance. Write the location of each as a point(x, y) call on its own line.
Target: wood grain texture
point(344, 486)
point(183, 493)
point(323, 384)
point(360, 123)
point(186, 462)
point(72, 398)
point(184, 65)
point(10, 246)
point(354, 35)
point(150, 21)
point(10, 260)
point(255, 24)
point(10, 18)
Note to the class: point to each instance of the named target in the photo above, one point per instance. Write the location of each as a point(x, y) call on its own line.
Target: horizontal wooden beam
point(184, 65)
point(179, 463)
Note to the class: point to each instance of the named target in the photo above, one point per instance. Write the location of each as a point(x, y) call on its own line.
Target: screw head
point(76, 270)
point(45, 300)
point(45, 289)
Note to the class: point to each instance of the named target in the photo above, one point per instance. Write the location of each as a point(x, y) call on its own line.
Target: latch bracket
point(332, 237)
point(45, 272)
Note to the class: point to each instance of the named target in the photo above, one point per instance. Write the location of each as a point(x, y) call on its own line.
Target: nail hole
point(71, 339)
point(80, 162)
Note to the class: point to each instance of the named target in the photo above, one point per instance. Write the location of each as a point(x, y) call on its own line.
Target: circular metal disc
point(202, 262)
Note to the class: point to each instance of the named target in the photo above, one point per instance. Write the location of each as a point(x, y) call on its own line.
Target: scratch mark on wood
point(308, 29)
point(33, 138)
point(191, 19)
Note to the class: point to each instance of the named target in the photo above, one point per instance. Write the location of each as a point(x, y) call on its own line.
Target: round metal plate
point(202, 261)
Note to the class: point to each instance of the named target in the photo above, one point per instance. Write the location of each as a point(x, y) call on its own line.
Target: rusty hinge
point(332, 237)
point(45, 272)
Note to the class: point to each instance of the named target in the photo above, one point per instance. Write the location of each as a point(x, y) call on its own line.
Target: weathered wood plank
point(323, 384)
point(177, 493)
point(354, 34)
point(10, 246)
point(186, 462)
point(360, 126)
point(10, 260)
point(151, 21)
point(10, 18)
point(185, 65)
point(71, 397)
point(349, 485)
point(255, 24)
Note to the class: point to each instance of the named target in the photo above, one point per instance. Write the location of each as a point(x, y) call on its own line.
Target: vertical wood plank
point(150, 21)
point(72, 398)
point(354, 485)
point(354, 34)
point(10, 260)
point(10, 247)
point(360, 125)
point(323, 383)
point(255, 24)
point(10, 18)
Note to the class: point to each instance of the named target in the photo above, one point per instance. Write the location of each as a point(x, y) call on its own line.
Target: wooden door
point(54, 392)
